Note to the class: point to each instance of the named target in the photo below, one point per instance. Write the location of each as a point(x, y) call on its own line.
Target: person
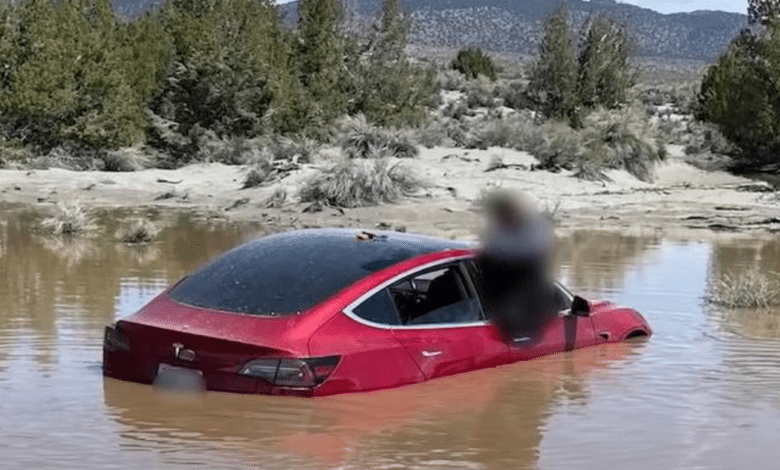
point(514, 261)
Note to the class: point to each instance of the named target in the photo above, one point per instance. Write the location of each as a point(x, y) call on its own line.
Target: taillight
point(289, 372)
point(114, 339)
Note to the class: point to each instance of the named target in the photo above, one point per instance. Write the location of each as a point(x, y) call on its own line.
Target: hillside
point(516, 26)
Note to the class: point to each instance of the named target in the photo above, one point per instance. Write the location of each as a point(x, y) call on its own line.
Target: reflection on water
point(497, 421)
point(704, 392)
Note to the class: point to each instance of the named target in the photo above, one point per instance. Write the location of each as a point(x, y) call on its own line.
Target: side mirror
point(580, 307)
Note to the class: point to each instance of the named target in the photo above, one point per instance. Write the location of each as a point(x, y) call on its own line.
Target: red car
point(319, 312)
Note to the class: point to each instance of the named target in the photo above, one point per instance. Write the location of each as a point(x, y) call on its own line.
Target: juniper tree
point(605, 74)
point(553, 76)
point(472, 62)
point(393, 31)
point(320, 54)
point(762, 11)
point(741, 94)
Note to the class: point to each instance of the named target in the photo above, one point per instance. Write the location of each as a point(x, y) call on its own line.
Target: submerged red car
point(320, 312)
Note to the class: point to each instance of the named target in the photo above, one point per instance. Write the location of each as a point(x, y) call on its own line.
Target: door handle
point(431, 353)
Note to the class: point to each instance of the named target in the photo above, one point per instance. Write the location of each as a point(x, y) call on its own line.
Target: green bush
point(74, 74)
point(472, 63)
point(739, 94)
point(194, 78)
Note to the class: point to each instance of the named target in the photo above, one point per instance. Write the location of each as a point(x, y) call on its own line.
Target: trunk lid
point(210, 343)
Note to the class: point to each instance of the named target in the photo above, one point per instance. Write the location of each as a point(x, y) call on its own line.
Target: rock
point(238, 203)
point(166, 195)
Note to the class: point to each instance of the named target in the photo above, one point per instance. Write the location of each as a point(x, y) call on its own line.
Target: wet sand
point(681, 201)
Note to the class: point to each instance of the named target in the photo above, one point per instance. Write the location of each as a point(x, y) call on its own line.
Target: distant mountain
point(516, 25)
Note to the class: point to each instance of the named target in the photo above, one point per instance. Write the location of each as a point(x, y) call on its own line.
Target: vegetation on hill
point(517, 26)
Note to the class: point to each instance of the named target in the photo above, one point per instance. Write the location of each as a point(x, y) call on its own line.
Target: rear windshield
point(292, 272)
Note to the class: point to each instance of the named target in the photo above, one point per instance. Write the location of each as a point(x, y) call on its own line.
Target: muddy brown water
point(703, 392)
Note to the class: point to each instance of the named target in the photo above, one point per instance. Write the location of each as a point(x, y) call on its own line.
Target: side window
point(561, 299)
point(476, 277)
point(378, 309)
point(436, 296)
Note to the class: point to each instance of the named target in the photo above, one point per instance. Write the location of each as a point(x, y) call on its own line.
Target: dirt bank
point(681, 199)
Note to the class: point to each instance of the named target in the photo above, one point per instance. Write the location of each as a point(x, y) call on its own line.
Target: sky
point(672, 6)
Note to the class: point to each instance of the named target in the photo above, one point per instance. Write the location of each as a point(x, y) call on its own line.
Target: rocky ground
point(681, 199)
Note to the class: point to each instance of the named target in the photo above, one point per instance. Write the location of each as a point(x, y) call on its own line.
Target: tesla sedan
point(320, 312)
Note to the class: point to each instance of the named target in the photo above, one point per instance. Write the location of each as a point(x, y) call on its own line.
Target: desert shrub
point(456, 109)
point(360, 139)
point(559, 146)
point(126, 159)
point(277, 198)
point(607, 140)
point(747, 289)
point(479, 94)
point(514, 94)
point(472, 63)
point(265, 168)
point(703, 137)
point(359, 183)
point(299, 149)
point(442, 132)
point(70, 218)
point(230, 150)
point(677, 96)
point(622, 139)
point(138, 231)
point(518, 131)
point(449, 80)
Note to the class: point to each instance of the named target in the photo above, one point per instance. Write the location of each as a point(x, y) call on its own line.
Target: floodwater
point(702, 393)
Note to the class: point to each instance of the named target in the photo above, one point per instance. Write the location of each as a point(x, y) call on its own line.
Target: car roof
point(292, 271)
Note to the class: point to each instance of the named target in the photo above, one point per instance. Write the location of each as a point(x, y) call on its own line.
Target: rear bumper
point(141, 366)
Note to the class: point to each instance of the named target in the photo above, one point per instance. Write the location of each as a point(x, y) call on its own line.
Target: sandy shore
point(681, 199)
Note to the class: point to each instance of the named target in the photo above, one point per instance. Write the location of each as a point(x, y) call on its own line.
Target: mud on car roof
point(291, 272)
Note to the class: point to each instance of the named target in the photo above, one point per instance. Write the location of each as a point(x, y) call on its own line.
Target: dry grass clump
point(138, 232)
point(360, 183)
point(747, 289)
point(266, 169)
point(127, 159)
point(70, 218)
point(295, 149)
point(360, 139)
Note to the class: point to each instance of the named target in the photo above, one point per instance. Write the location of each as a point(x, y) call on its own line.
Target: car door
point(442, 325)
point(563, 332)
